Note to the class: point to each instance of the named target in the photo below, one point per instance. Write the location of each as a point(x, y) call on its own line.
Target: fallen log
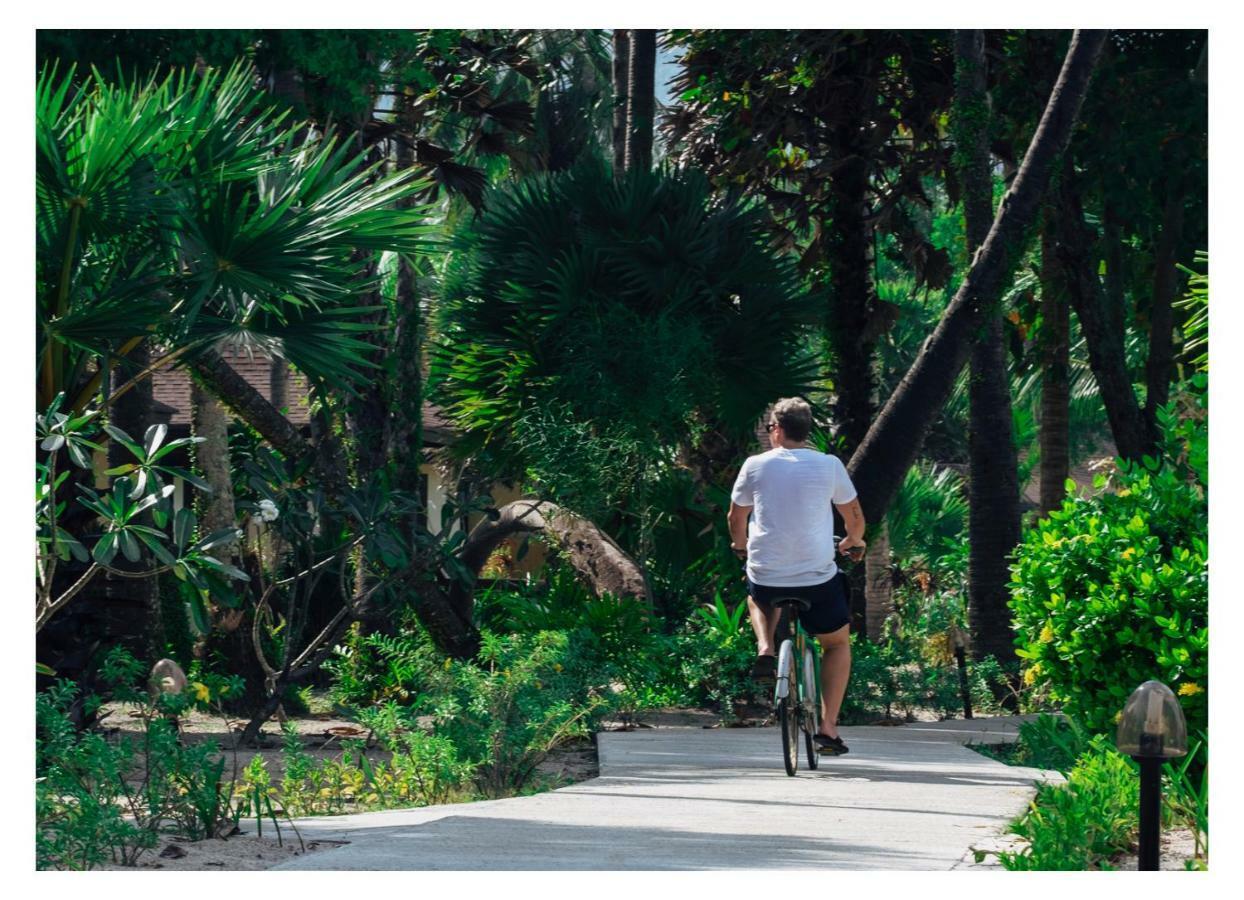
point(603, 565)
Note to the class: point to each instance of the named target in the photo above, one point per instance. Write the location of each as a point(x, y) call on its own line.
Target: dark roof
point(171, 391)
point(171, 387)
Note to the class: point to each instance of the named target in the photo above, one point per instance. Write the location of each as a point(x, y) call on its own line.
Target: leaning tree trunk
point(641, 98)
point(891, 446)
point(621, 67)
point(1055, 352)
point(253, 408)
point(993, 483)
point(878, 582)
point(1133, 434)
point(598, 559)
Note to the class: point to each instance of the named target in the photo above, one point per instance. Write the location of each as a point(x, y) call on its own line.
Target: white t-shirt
point(790, 538)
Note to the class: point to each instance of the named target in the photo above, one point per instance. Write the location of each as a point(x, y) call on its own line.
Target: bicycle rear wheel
point(788, 721)
point(811, 708)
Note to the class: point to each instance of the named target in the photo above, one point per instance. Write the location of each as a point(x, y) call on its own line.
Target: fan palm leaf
point(642, 305)
point(187, 210)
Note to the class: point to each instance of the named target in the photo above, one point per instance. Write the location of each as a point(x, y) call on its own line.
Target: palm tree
point(618, 318)
point(641, 98)
point(621, 62)
point(178, 214)
point(993, 526)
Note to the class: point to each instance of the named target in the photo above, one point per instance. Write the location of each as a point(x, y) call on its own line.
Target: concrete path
point(908, 797)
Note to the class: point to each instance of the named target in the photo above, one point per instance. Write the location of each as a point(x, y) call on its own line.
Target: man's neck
point(793, 445)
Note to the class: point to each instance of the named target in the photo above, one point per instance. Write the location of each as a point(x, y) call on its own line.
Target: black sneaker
point(830, 745)
point(765, 668)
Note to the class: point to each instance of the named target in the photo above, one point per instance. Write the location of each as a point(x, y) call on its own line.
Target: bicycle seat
point(799, 603)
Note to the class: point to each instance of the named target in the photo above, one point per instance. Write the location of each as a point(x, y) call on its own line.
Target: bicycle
point(799, 667)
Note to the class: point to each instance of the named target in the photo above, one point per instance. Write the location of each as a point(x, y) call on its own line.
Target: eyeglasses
point(769, 428)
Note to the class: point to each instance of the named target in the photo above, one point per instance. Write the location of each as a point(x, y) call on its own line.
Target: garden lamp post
point(1151, 731)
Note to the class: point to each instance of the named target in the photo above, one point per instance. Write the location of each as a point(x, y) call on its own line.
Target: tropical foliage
point(395, 216)
point(142, 485)
point(589, 323)
point(184, 212)
point(1112, 590)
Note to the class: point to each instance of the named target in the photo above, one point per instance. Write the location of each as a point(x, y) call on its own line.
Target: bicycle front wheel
point(788, 721)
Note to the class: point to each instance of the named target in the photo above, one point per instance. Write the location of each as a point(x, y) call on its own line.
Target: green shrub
point(1047, 742)
point(428, 767)
point(1051, 742)
point(1112, 590)
point(617, 644)
point(619, 627)
point(100, 800)
point(80, 796)
point(507, 710)
point(312, 787)
point(928, 515)
point(1076, 826)
point(372, 669)
point(892, 677)
point(715, 653)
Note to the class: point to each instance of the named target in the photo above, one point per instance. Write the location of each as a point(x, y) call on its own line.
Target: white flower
point(267, 510)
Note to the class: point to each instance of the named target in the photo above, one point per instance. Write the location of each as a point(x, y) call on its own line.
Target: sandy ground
point(1178, 845)
point(241, 853)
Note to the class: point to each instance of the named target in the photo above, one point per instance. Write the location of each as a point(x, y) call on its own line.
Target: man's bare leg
point(835, 672)
point(764, 624)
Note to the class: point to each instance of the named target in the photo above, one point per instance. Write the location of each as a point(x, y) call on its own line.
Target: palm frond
point(642, 303)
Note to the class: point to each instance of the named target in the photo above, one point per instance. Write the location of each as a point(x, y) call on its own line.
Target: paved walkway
point(908, 797)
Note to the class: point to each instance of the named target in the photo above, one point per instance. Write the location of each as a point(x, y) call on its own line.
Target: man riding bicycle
point(789, 547)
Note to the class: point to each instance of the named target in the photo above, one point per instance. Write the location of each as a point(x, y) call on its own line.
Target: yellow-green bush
point(1112, 590)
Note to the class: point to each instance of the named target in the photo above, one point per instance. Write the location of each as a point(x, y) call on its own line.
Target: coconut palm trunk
point(878, 582)
point(641, 98)
point(852, 295)
point(230, 631)
point(621, 66)
point(993, 482)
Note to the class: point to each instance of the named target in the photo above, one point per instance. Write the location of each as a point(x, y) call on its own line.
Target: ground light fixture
point(1151, 731)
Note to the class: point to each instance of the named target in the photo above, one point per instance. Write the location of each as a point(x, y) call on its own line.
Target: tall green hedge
point(1112, 590)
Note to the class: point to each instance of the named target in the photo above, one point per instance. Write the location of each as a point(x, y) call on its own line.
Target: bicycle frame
point(792, 651)
point(798, 666)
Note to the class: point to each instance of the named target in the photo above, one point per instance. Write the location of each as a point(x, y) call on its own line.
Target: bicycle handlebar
point(855, 554)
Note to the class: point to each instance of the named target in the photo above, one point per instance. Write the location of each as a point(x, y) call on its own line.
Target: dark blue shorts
point(830, 609)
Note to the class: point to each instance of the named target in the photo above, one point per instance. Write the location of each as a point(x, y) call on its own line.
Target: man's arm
point(737, 517)
point(853, 518)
